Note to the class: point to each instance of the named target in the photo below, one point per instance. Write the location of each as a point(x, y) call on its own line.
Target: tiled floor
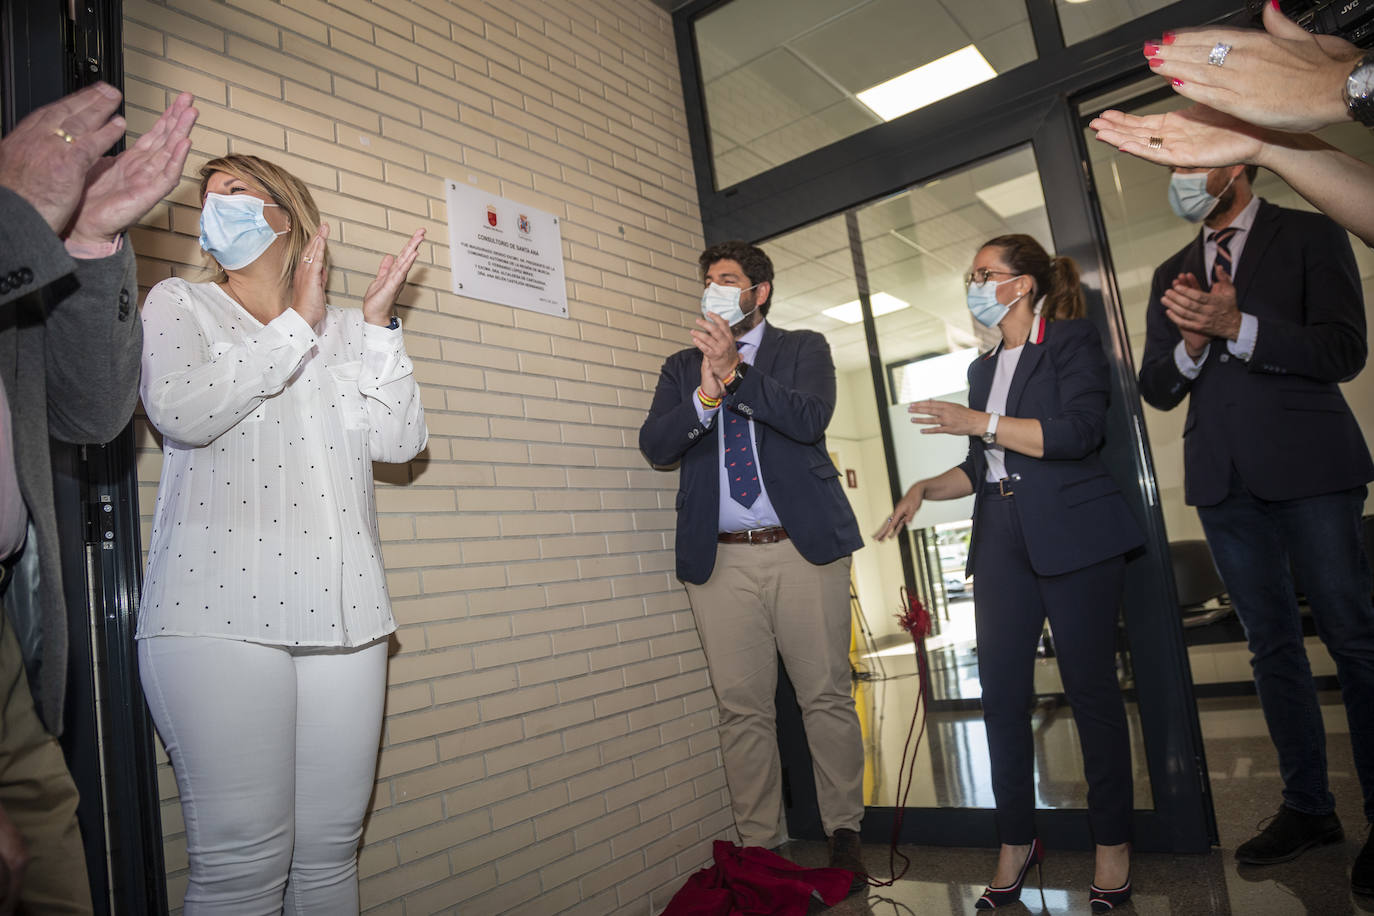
point(1246, 789)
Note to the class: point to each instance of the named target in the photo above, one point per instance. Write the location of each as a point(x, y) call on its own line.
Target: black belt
point(1001, 487)
point(754, 536)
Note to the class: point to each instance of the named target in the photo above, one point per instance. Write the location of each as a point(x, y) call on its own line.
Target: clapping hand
point(1202, 314)
point(47, 157)
point(308, 283)
point(1193, 137)
point(120, 189)
point(381, 294)
point(716, 342)
point(1283, 77)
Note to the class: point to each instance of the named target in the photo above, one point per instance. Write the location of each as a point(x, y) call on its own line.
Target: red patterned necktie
point(1223, 262)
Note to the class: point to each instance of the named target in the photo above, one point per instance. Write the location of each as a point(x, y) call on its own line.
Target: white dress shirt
point(265, 527)
point(1243, 347)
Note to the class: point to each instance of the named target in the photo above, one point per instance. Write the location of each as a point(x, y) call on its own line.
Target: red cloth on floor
point(751, 881)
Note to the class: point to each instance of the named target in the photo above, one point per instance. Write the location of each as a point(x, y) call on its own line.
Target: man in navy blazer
point(1256, 322)
point(764, 537)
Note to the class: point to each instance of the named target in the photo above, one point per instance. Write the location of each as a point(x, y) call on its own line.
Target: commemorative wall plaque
point(505, 252)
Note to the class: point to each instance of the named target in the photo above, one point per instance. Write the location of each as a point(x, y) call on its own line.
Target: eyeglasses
point(982, 274)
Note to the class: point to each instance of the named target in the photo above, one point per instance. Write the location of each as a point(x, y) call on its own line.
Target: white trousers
point(275, 754)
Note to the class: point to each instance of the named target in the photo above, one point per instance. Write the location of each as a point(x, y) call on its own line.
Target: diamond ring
point(1217, 57)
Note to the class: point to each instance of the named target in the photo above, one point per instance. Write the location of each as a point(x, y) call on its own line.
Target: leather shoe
point(847, 853)
point(1362, 874)
point(1288, 835)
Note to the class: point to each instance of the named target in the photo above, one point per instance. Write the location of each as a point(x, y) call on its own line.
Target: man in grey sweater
point(70, 344)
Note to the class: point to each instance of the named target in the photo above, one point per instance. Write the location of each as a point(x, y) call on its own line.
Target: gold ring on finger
point(66, 137)
point(309, 260)
point(1156, 142)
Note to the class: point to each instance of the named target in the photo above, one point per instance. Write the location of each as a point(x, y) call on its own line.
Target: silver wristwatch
point(1359, 91)
point(990, 434)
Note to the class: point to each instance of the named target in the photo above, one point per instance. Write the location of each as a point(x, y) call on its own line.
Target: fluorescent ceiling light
point(1018, 195)
point(929, 83)
point(882, 304)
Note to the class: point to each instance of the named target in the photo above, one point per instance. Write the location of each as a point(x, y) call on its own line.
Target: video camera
point(1352, 20)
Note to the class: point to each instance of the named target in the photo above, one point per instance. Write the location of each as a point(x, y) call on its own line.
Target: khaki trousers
point(765, 600)
point(38, 795)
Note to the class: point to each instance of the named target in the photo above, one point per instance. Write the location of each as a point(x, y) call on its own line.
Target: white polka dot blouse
point(265, 527)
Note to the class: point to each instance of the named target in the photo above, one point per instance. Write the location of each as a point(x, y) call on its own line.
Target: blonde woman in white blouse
point(264, 614)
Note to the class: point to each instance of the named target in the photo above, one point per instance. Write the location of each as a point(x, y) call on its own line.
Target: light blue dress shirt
point(733, 516)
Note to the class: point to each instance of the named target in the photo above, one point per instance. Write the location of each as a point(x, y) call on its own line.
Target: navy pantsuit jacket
point(1071, 511)
point(789, 393)
point(1280, 420)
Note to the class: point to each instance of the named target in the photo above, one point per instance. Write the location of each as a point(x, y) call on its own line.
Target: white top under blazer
point(265, 527)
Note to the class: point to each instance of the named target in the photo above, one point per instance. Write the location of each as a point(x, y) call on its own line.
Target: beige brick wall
point(549, 744)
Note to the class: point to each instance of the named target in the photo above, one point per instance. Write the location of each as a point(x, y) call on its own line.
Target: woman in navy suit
point(1050, 532)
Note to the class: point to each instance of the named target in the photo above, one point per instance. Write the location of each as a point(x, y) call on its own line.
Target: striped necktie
point(1223, 262)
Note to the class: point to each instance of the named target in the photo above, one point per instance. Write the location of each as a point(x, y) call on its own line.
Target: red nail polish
point(1156, 62)
point(1168, 38)
point(1151, 49)
point(1178, 82)
point(1275, 5)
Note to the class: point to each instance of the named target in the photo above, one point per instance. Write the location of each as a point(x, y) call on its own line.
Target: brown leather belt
point(754, 536)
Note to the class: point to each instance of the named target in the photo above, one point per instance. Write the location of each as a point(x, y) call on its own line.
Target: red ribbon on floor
point(751, 881)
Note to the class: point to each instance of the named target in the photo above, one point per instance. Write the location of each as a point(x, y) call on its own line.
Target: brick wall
point(549, 744)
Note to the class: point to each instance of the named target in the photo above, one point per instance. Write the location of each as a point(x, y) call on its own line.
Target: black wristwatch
point(740, 369)
point(1359, 91)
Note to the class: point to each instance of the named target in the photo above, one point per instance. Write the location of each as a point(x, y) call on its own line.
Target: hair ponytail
point(1064, 297)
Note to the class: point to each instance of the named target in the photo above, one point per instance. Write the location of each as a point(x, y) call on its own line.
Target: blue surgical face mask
point(1189, 198)
point(233, 229)
point(982, 302)
point(724, 301)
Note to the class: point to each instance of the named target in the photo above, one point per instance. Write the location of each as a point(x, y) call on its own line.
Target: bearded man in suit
point(764, 537)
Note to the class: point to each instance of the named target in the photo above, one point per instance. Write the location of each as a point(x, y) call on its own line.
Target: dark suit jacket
point(1280, 420)
point(1072, 513)
point(789, 393)
point(70, 342)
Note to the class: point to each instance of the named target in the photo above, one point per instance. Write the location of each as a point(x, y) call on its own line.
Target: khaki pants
point(763, 600)
point(38, 795)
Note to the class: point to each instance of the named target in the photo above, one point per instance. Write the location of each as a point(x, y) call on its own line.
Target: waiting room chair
point(1198, 583)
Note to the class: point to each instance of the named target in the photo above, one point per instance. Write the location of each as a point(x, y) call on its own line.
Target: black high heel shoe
point(1103, 901)
point(993, 897)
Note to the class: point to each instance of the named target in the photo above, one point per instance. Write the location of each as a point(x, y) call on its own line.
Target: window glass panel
point(916, 247)
point(785, 77)
point(1082, 19)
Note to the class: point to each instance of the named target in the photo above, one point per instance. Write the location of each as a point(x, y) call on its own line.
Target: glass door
point(883, 283)
point(871, 225)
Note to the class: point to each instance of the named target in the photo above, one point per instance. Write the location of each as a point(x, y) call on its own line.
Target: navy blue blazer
point(1071, 511)
point(1281, 419)
point(789, 393)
